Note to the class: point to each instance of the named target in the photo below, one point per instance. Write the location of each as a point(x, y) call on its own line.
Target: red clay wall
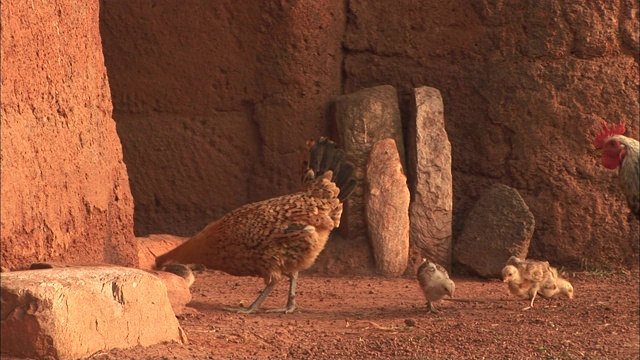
point(525, 86)
point(65, 190)
point(213, 99)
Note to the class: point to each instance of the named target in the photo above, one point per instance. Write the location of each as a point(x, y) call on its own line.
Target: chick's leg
point(533, 297)
point(431, 307)
point(256, 304)
point(291, 299)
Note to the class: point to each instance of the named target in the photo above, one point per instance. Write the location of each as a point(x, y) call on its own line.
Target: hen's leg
point(291, 299)
point(256, 304)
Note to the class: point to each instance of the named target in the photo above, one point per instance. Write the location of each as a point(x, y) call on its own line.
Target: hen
point(619, 151)
point(434, 282)
point(278, 236)
point(526, 277)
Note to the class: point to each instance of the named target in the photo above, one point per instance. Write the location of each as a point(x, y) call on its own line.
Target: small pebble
point(410, 322)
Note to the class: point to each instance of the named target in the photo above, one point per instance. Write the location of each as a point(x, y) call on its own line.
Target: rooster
point(278, 236)
point(619, 151)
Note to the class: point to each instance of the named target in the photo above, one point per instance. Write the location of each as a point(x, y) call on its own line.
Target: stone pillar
point(429, 158)
point(364, 117)
point(387, 208)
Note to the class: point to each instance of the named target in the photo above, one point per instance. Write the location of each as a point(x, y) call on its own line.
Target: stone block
point(73, 312)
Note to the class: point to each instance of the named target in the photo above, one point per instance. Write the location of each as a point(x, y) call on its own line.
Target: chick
point(279, 236)
point(184, 271)
point(526, 277)
point(434, 282)
point(517, 285)
point(557, 287)
point(565, 288)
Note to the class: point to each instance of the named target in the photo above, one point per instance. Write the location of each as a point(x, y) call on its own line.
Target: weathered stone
point(387, 208)
point(64, 313)
point(364, 117)
point(499, 225)
point(155, 245)
point(429, 158)
point(177, 290)
point(65, 189)
point(177, 286)
point(58, 265)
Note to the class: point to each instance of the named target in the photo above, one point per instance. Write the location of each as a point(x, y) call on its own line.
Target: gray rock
point(429, 158)
point(499, 225)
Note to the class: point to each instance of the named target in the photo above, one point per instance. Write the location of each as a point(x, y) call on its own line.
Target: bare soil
point(382, 318)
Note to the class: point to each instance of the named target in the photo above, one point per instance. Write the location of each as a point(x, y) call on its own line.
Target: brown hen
point(278, 236)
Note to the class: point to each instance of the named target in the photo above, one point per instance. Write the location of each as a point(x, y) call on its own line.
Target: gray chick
point(434, 282)
point(184, 271)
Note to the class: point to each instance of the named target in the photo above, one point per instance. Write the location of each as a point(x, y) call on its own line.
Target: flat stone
point(177, 290)
point(73, 312)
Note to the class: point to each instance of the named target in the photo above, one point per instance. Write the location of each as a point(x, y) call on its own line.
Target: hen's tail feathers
point(322, 156)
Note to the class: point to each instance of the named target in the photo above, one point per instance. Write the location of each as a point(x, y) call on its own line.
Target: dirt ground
point(381, 318)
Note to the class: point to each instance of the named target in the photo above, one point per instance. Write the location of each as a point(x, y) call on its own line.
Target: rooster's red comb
point(606, 132)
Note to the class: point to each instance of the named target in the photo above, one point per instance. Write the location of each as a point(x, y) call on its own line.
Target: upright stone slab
point(70, 313)
point(499, 225)
point(387, 208)
point(429, 158)
point(363, 117)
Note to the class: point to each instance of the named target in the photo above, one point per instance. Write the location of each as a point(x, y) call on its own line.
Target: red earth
point(384, 318)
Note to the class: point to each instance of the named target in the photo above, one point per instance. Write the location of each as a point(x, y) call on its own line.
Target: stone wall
point(213, 100)
point(525, 86)
point(65, 190)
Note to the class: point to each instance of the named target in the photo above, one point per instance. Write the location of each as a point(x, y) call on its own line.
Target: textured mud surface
point(368, 317)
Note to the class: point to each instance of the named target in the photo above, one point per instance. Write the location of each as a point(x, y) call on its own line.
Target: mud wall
point(525, 85)
point(213, 99)
point(65, 190)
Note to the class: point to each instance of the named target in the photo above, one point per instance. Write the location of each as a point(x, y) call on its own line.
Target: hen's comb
point(606, 132)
